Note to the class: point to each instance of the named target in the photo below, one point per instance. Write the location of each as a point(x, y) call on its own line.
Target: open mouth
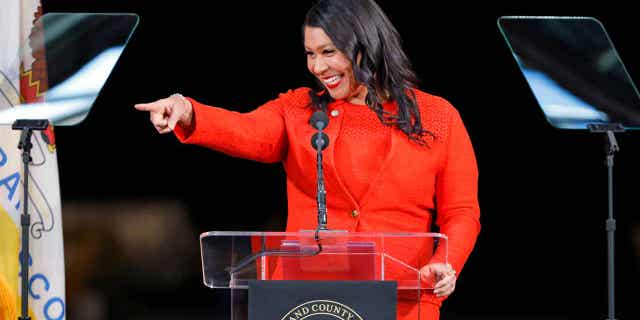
point(332, 81)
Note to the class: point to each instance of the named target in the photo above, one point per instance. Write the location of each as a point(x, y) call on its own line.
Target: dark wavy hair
point(360, 28)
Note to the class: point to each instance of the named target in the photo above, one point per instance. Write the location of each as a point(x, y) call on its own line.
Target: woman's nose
point(319, 66)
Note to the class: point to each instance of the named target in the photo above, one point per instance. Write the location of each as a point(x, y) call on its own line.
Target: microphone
point(319, 120)
point(320, 141)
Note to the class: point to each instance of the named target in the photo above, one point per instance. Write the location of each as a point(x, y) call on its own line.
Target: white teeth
point(333, 80)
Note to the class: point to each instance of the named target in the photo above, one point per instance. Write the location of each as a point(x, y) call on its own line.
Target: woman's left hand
point(443, 275)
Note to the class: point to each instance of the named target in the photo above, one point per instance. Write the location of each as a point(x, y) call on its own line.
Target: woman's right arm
point(259, 135)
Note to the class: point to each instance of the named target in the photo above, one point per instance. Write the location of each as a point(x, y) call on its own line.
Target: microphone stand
point(320, 139)
point(27, 127)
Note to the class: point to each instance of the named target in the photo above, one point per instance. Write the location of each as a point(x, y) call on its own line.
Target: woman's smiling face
point(332, 67)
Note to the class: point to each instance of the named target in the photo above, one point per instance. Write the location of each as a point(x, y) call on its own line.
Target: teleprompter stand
point(27, 127)
point(81, 51)
point(576, 91)
point(611, 148)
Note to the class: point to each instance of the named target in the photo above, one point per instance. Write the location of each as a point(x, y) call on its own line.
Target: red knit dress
point(360, 127)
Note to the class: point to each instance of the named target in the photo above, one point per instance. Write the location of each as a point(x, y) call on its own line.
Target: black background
point(543, 191)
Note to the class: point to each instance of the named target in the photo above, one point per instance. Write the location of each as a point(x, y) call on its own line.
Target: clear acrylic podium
point(230, 260)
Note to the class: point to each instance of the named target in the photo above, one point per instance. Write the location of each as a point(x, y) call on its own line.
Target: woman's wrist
point(186, 119)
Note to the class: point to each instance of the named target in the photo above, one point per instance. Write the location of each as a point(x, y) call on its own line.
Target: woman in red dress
point(399, 159)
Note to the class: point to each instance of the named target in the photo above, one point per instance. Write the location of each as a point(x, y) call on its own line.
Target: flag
point(23, 78)
point(9, 160)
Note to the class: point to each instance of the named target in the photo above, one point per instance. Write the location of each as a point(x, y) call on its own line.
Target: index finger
point(152, 106)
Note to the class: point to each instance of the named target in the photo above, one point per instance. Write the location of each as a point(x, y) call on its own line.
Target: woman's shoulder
point(436, 113)
point(431, 103)
point(298, 97)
